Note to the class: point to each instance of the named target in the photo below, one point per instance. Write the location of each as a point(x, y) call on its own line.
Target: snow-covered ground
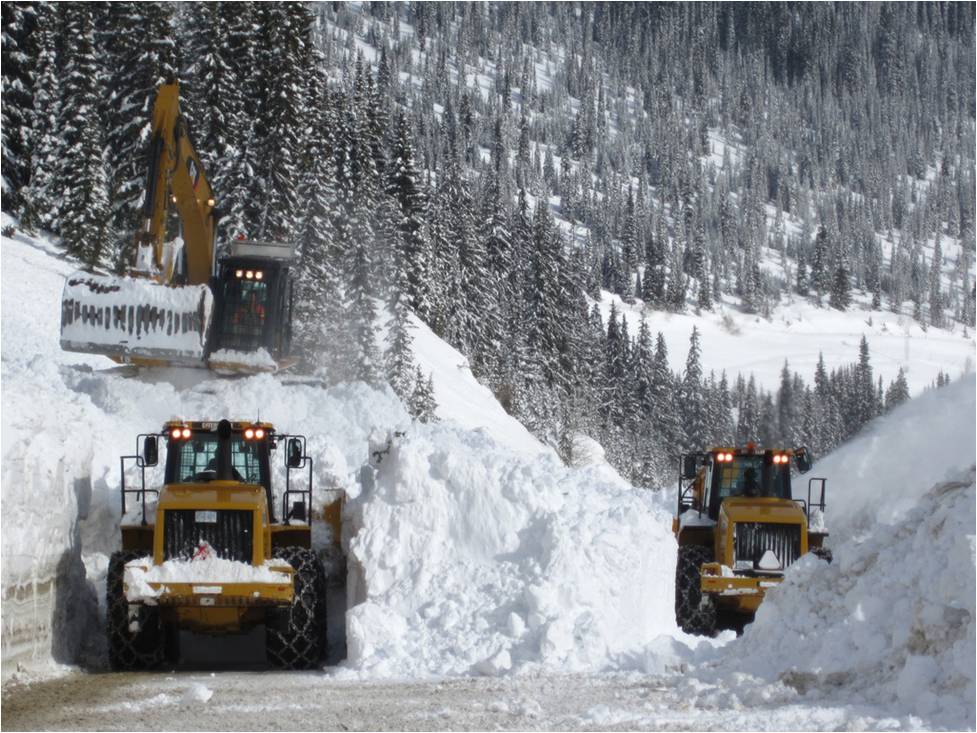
point(475, 552)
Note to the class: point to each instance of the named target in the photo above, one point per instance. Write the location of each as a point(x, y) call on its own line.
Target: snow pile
point(232, 361)
point(204, 569)
point(883, 471)
point(469, 559)
point(891, 621)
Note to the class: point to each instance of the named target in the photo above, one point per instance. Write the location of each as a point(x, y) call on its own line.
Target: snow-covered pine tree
point(237, 200)
point(284, 34)
point(16, 39)
point(423, 405)
point(819, 263)
point(692, 399)
point(38, 199)
point(81, 174)
point(319, 338)
point(936, 317)
point(403, 183)
point(840, 297)
point(140, 56)
point(898, 391)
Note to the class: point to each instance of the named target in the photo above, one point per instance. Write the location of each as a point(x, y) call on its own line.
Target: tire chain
point(295, 637)
point(694, 614)
point(142, 649)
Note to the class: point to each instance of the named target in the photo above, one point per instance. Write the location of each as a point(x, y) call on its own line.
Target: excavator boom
point(175, 172)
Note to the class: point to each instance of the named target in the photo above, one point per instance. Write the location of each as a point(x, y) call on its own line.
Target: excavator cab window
point(245, 314)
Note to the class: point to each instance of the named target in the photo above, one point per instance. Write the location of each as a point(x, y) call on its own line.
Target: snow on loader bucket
point(136, 320)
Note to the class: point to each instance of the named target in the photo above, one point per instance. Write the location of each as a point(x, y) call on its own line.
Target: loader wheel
point(136, 640)
point(295, 637)
point(695, 613)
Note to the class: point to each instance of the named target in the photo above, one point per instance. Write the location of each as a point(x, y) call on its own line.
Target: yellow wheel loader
point(739, 527)
point(185, 302)
point(211, 552)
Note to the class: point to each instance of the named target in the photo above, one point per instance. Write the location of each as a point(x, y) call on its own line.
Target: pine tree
point(692, 398)
point(81, 175)
point(935, 295)
point(39, 198)
point(864, 407)
point(403, 184)
point(18, 98)
point(284, 32)
point(898, 391)
point(841, 283)
point(141, 56)
point(423, 404)
point(819, 263)
point(318, 310)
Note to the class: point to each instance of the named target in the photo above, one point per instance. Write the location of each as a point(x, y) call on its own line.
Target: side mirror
point(297, 511)
point(688, 466)
point(294, 453)
point(150, 451)
point(803, 459)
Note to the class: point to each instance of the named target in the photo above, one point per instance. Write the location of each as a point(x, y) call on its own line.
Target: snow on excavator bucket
point(135, 320)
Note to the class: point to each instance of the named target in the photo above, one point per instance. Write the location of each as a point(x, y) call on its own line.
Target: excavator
point(185, 302)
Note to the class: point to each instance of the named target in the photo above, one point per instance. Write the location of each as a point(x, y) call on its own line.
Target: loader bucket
point(135, 320)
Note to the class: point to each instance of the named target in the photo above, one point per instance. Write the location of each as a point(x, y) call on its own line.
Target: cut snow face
point(469, 559)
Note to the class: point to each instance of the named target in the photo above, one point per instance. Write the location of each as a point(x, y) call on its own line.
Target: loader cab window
point(195, 460)
point(751, 476)
point(245, 312)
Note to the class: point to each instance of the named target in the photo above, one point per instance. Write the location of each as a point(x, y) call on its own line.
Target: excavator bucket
point(136, 320)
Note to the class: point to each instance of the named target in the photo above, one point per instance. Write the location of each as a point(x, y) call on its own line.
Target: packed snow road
point(316, 701)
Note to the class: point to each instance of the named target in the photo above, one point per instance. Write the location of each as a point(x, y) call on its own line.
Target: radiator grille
point(752, 539)
point(230, 535)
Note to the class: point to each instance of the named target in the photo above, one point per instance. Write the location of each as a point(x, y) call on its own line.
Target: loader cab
point(748, 474)
point(253, 291)
point(201, 452)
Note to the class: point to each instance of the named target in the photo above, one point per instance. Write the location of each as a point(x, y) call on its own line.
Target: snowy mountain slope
point(462, 399)
point(798, 332)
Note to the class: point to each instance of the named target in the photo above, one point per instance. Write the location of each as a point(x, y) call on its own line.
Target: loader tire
point(695, 613)
point(136, 640)
point(295, 637)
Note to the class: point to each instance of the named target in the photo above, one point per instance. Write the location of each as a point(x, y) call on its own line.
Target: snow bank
point(885, 469)
point(891, 620)
point(469, 559)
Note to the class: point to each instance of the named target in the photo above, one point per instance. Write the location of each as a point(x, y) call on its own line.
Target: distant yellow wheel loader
point(739, 527)
point(210, 552)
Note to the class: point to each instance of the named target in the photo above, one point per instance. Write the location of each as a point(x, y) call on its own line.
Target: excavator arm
point(176, 177)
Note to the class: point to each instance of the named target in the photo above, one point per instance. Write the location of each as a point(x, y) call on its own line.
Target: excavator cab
point(253, 293)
